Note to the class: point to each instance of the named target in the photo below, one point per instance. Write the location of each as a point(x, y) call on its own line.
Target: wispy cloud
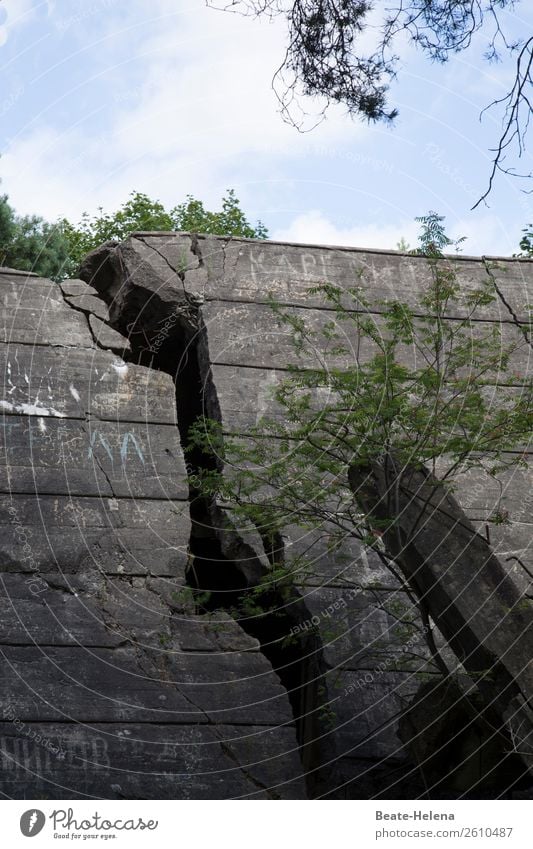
point(13, 14)
point(170, 97)
point(314, 227)
point(198, 109)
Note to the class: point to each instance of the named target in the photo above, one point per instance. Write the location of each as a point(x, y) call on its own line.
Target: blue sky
point(169, 97)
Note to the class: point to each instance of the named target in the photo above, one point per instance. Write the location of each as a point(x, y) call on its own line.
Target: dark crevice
point(272, 618)
point(522, 326)
point(224, 571)
point(164, 325)
point(197, 250)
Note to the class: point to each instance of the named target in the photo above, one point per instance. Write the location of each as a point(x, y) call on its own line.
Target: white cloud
point(55, 174)
point(201, 108)
point(313, 227)
point(206, 94)
point(172, 97)
point(485, 234)
point(14, 13)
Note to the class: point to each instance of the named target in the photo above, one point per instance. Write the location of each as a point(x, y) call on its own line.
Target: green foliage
point(433, 240)
point(137, 214)
point(29, 243)
point(231, 221)
point(39, 246)
point(403, 245)
point(409, 384)
point(56, 250)
point(191, 598)
point(141, 213)
point(526, 242)
point(165, 640)
point(402, 390)
point(7, 224)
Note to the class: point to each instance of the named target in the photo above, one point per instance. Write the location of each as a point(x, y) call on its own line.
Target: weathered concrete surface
point(244, 270)
point(114, 535)
point(470, 597)
point(460, 745)
point(183, 299)
point(115, 687)
point(33, 312)
point(115, 761)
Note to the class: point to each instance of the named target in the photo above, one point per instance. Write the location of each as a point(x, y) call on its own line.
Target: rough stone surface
point(213, 294)
point(115, 687)
point(99, 620)
point(459, 748)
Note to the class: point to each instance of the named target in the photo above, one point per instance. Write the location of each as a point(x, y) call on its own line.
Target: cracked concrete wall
point(127, 531)
point(225, 284)
point(114, 687)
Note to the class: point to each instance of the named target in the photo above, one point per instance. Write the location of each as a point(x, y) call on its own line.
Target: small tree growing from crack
point(406, 393)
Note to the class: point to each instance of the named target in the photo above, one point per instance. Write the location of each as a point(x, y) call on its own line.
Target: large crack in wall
point(104, 657)
point(154, 286)
point(166, 332)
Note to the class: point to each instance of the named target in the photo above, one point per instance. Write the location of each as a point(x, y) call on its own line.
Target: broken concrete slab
point(467, 592)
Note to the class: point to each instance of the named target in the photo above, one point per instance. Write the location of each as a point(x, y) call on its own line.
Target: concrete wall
point(113, 686)
point(100, 481)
